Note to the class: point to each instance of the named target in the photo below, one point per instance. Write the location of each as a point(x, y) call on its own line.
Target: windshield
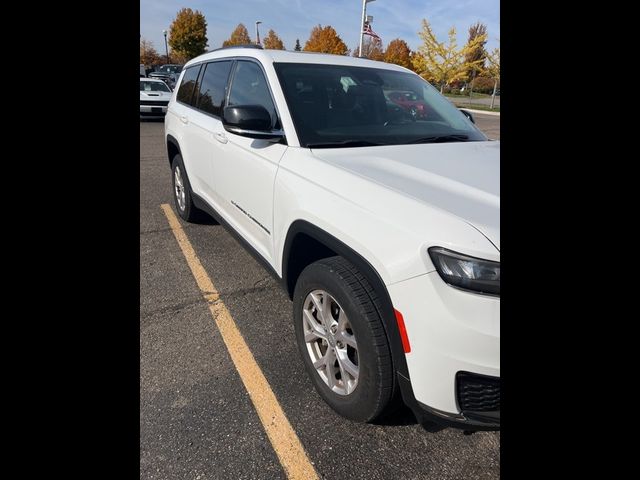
point(170, 69)
point(153, 87)
point(341, 106)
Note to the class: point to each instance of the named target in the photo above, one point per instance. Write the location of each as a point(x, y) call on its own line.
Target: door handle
point(184, 119)
point(221, 137)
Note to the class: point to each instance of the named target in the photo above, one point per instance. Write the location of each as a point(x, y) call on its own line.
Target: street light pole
point(257, 32)
point(166, 48)
point(364, 13)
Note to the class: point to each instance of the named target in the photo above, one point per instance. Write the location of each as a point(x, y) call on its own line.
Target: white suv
point(382, 225)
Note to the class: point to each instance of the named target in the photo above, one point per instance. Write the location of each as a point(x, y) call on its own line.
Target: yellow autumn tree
point(446, 62)
point(239, 36)
point(398, 52)
point(325, 40)
point(493, 70)
point(272, 41)
point(419, 65)
point(188, 34)
point(479, 53)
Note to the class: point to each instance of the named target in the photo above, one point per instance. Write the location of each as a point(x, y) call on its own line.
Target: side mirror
point(251, 121)
point(468, 115)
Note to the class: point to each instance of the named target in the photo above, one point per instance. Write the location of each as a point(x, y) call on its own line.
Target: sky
point(292, 19)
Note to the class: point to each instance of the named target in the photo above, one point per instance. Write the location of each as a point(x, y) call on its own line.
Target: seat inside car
point(369, 103)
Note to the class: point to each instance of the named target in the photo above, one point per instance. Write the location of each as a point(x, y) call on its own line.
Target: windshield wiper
point(344, 143)
point(442, 139)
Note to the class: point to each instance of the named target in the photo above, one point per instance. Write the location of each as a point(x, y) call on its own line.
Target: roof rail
point(250, 45)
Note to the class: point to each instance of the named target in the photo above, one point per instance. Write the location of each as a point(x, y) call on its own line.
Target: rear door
point(181, 112)
point(204, 125)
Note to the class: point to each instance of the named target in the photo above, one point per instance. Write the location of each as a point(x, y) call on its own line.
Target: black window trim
point(235, 59)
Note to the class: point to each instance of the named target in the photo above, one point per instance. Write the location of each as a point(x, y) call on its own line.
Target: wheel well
point(172, 149)
point(306, 243)
point(303, 251)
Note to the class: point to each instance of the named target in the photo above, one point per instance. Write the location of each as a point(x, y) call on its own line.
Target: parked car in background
point(154, 97)
point(410, 102)
point(169, 73)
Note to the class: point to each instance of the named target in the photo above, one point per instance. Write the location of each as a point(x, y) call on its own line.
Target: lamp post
point(258, 22)
point(166, 48)
point(364, 16)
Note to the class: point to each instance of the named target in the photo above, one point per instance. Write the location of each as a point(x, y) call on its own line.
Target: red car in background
point(410, 102)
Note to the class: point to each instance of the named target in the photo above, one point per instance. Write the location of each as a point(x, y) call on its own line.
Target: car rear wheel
point(342, 340)
point(182, 191)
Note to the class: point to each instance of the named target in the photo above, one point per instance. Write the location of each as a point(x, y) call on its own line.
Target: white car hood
point(462, 178)
point(155, 95)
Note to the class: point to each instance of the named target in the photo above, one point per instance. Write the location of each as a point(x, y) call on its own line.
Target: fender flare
point(173, 141)
point(385, 309)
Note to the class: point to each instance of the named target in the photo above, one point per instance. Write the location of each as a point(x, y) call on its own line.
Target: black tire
point(374, 389)
point(189, 212)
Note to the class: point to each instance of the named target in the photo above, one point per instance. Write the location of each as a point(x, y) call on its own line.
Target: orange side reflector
point(403, 332)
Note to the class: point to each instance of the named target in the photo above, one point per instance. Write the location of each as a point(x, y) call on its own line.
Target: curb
point(483, 112)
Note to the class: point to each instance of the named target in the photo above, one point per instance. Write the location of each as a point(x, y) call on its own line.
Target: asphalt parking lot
point(197, 420)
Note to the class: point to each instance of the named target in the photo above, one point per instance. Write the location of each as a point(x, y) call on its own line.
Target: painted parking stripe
point(285, 442)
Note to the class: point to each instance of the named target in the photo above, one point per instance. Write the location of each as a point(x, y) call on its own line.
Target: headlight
point(468, 273)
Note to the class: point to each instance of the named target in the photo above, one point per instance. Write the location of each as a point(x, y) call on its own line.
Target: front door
point(245, 173)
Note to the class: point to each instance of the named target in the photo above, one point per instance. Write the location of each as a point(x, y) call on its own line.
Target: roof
point(150, 79)
point(285, 56)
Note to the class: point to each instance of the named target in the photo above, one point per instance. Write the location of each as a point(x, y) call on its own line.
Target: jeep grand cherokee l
point(382, 226)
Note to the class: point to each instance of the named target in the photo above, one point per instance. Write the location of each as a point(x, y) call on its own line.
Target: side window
point(212, 88)
point(249, 87)
point(189, 80)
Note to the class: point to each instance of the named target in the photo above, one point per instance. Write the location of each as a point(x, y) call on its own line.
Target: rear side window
point(189, 80)
point(249, 87)
point(212, 88)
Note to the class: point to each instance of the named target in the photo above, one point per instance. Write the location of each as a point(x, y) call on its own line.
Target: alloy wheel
point(179, 189)
point(331, 343)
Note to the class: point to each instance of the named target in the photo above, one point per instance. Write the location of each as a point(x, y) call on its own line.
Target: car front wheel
point(342, 340)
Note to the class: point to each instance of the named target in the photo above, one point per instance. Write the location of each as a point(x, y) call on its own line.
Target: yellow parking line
point(285, 442)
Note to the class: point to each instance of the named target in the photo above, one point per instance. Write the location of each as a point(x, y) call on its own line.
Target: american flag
point(368, 31)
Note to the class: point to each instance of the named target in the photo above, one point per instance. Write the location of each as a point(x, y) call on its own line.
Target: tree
point(478, 53)
point(419, 65)
point(445, 63)
point(179, 58)
point(371, 48)
point(188, 34)
point(240, 36)
point(148, 55)
point(325, 40)
point(398, 52)
point(297, 48)
point(493, 70)
point(273, 42)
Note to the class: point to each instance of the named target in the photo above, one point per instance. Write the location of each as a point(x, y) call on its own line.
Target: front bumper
point(427, 416)
point(450, 331)
point(153, 110)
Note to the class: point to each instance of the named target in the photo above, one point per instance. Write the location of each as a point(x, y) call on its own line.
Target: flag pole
point(364, 12)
